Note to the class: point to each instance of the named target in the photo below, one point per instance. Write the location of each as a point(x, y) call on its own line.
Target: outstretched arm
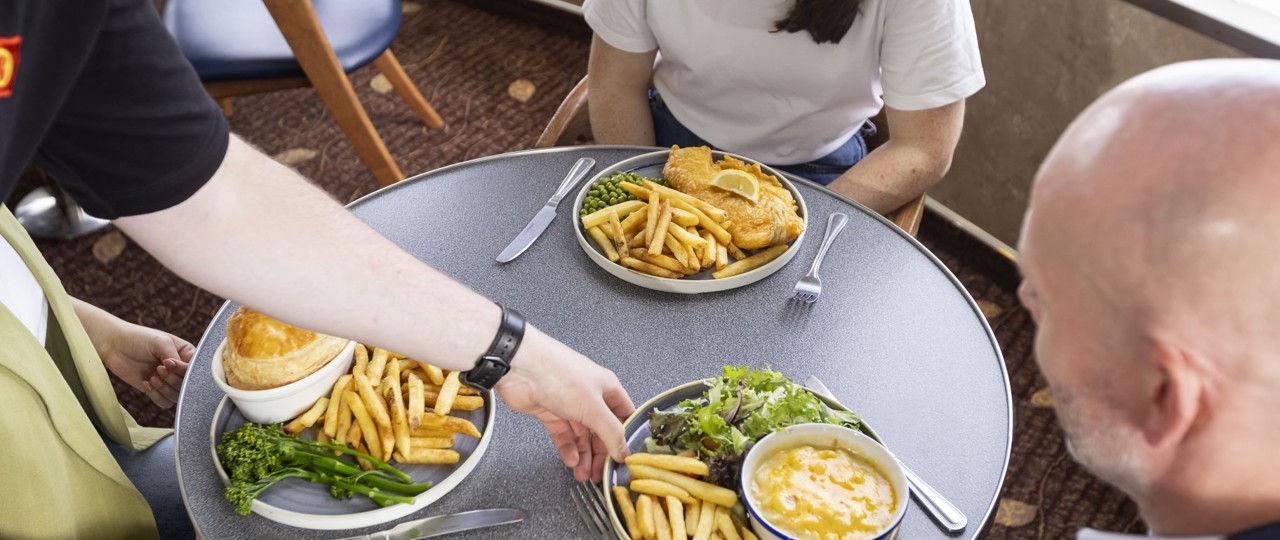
point(261, 235)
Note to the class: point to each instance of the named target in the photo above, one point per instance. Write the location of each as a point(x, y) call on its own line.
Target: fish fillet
point(771, 221)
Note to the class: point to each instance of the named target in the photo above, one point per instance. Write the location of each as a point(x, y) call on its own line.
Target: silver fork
point(810, 286)
point(590, 504)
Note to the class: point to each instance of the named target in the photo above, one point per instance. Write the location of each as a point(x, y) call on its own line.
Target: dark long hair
point(827, 21)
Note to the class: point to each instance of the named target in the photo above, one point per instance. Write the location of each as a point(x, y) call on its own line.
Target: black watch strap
point(497, 361)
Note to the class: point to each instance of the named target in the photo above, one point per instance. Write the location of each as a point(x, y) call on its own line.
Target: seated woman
point(791, 83)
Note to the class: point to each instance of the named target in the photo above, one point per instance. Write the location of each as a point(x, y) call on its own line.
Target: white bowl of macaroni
point(820, 481)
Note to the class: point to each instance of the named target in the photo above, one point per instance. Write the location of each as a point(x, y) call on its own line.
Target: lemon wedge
point(740, 183)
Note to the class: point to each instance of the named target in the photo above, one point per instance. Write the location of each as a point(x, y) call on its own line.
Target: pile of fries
point(673, 235)
point(393, 407)
point(672, 505)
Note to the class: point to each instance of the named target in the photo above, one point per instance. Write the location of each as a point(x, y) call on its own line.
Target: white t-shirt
point(21, 294)
point(780, 97)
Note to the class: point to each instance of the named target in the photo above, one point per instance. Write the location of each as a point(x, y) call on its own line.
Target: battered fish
point(773, 220)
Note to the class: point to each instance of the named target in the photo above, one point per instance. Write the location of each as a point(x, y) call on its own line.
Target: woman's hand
point(152, 361)
point(581, 404)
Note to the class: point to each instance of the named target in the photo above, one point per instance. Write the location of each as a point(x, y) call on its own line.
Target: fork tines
point(590, 504)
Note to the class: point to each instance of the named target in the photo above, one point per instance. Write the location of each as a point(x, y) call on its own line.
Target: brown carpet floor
point(496, 71)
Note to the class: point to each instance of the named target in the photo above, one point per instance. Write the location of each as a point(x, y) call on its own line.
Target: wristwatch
point(497, 361)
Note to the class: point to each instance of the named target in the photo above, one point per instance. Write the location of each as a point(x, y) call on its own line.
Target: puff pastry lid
point(264, 353)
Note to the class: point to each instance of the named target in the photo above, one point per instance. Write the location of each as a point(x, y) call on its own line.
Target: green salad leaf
point(738, 408)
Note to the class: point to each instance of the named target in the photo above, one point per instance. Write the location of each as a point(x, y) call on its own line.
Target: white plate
point(650, 166)
point(308, 505)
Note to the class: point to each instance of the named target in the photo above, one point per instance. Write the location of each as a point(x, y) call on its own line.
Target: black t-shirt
point(103, 100)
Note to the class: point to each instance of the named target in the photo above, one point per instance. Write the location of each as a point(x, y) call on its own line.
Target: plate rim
point(610, 465)
point(685, 286)
point(368, 518)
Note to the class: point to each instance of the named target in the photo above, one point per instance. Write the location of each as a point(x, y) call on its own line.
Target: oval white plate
point(650, 166)
point(308, 505)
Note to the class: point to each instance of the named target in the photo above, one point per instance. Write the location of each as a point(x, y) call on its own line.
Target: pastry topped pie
point(264, 353)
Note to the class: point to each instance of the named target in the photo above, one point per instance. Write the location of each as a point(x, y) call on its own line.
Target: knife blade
point(447, 524)
point(543, 218)
point(944, 513)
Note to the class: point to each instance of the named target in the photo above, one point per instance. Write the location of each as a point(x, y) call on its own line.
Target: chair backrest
point(571, 124)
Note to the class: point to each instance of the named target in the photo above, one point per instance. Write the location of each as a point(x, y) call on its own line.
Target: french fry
point(434, 373)
point(431, 442)
point(599, 217)
point(619, 235)
point(407, 366)
point(368, 431)
point(362, 359)
point(308, 418)
point(429, 456)
point(605, 243)
point(661, 490)
point(364, 463)
point(722, 256)
point(461, 403)
point(679, 464)
point(684, 236)
point(448, 392)
point(399, 420)
point(451, 423)
point(639, 191)
point(321, 436)
point(706, 521)
point(683, 218)
point(417, 401)
point(661, 525)
point(675, 513)
point(628, 510)
point(663, 261)
point(695, 261)
point(354, 434)
point(637, 241)
point(377, 364)
point(660, 229)
point(725, 525)
point(677, 249)
point(747, 534)
point(702, 490)
point(432, 432)
point(344, 416)
point(705, 207)
point(335, 406)
point(750, 263)
point(707, 222)
point(644, 517)
point(373, 402)
point(651, 221)
point(709, 254)
point(734, 252)
point(691, 515)
point(637, 264)
point(715, 535)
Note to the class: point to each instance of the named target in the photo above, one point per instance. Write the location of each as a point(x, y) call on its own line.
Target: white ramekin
point(284, 403)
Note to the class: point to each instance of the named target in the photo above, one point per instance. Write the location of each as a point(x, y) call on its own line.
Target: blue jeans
point(155, 474)
point(668, 131)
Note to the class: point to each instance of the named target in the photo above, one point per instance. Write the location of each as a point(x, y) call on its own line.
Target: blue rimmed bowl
point(822, 436)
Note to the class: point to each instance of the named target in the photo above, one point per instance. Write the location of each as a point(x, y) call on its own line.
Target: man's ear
point(1175, 401)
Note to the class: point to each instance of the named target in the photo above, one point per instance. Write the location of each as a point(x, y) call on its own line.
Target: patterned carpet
point(496, 70)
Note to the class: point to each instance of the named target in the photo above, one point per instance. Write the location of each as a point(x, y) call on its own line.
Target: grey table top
point(894, 335)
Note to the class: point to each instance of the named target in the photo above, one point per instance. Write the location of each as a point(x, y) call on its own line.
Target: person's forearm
point(892, 175)
point(261, 235)
point(620, 117)
point(95, 321)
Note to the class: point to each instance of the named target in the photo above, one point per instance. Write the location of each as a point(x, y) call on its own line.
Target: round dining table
point(894, 335)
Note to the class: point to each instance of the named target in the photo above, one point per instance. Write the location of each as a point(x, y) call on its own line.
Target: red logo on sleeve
point(8, 63)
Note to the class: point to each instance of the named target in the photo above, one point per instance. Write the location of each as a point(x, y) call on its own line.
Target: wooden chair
point(572, 125)
point(237, 49)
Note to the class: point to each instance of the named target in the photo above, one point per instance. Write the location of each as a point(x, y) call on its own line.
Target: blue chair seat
point(230, 40)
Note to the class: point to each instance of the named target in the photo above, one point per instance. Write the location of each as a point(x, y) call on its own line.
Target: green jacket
point(54, 400)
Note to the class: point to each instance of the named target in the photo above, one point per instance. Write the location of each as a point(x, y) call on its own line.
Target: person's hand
point(149, 360)
point(581, 404)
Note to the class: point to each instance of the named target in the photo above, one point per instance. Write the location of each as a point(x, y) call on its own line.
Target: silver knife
point(540, 221)
point(943, 512)
point(447, 524)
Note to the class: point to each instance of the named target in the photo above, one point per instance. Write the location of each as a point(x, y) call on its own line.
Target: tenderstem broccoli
point(257, 456)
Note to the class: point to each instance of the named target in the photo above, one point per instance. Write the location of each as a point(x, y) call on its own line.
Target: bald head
point(1162, 197)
